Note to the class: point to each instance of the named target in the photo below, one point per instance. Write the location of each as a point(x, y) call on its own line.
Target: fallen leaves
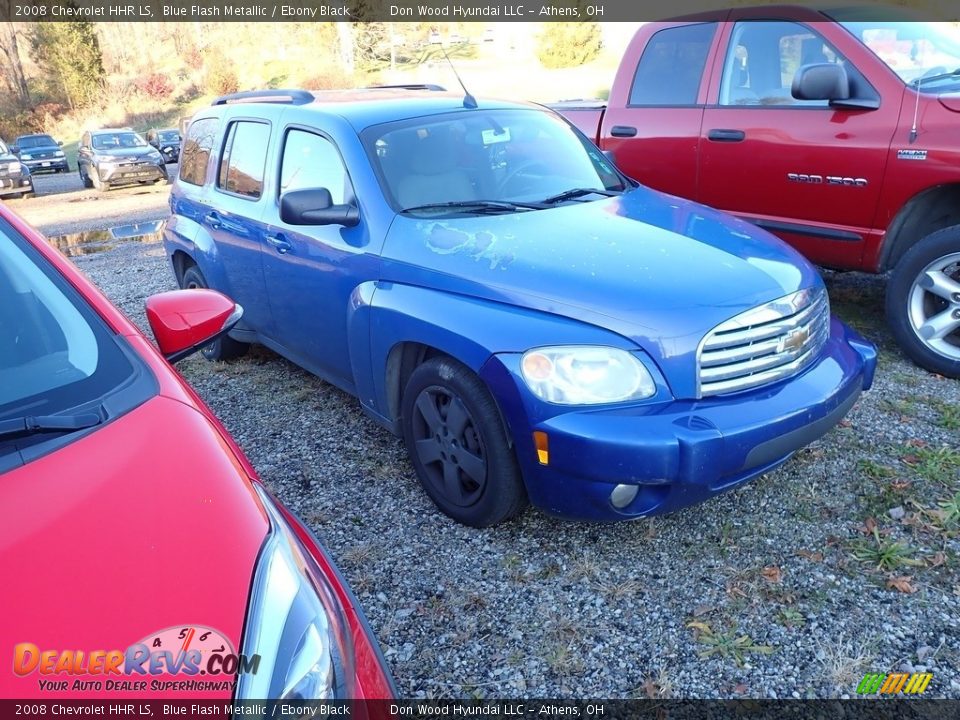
point(901, 583)
point(772, 574)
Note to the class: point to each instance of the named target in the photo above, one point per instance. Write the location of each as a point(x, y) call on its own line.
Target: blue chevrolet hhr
point(535, 325)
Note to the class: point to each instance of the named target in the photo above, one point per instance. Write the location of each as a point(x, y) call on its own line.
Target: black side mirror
point(821, 81)
point(60, 143)
point(314, 206)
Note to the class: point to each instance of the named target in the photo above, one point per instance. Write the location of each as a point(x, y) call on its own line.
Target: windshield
point(32, 141)
point(113, 141)
point(488, 156)
point(916, 51)
point(168, 136)
point(55, 354)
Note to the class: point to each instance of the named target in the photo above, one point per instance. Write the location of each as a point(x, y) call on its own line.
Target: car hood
point(147, 523)
point(126, 152)
point(651, 267)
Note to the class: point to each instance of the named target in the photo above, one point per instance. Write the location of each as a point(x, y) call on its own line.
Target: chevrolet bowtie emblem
point(794, 340)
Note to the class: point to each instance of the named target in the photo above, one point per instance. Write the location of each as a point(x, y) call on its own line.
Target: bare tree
point(12, 66)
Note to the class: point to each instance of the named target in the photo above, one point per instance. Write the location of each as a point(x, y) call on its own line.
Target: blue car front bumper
point(680, 452)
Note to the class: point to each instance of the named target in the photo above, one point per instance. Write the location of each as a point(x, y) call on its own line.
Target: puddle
point(96, 241)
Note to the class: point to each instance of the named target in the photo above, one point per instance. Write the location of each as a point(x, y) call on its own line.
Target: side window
point(762, 59)
point(196, 151)
point(671, 67)
point(312, 161)
point(243, 159)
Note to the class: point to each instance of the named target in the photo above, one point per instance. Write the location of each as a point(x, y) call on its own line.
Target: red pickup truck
point(835, 131)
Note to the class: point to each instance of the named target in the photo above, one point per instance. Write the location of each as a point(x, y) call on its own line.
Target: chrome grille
point(765, 344)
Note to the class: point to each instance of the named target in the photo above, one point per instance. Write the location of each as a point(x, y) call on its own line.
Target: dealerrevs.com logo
point(185, 658)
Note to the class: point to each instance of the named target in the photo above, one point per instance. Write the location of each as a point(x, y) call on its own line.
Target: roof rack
point(290, 97)
point(413, 86)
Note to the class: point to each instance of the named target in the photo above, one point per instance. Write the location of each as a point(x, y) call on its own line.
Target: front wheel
point(458, 445)
point(224, 347)
point(923, 302)
point(84, 177)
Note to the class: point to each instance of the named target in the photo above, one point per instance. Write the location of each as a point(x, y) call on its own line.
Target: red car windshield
point(55, 353)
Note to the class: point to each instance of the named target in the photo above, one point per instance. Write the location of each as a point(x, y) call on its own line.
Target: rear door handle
point(726, 135)
point(281, 245)
point(212, 219)
point(623, 131)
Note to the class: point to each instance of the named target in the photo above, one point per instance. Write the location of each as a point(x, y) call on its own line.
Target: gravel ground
point(841, 562)
point(61, 204)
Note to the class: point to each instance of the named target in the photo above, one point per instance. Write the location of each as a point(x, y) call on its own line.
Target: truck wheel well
point(181, 261)
point(927, 212)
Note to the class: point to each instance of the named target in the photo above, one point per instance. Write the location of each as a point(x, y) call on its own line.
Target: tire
point(97, 182)
point(224, 347)
point(466, 466)
point(923, 302)
point(84, 178)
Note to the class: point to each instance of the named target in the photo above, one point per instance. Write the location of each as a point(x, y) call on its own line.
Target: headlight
point(58, 153)
point(585, 375)
point(25, 156)
point(295, 624)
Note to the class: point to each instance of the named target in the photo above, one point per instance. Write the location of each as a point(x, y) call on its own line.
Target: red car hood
point(147, 524)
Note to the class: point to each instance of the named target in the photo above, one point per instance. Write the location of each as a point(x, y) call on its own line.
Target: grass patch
point(940, 464)
point(949, 413)
point(885, 554)
point(726, 644)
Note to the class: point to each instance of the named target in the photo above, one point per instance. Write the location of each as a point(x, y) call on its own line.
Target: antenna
point(916, 110)
point(469, 101)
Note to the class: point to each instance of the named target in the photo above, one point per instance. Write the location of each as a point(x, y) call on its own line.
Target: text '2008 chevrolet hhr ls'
point(533, 323)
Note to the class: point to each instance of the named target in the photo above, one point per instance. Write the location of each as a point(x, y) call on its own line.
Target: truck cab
point(831, 129)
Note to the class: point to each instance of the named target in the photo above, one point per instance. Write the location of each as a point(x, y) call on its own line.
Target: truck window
point(312, 161)
point(243, 158)
point(196, 151)
point(762, 59)
point(671, 66)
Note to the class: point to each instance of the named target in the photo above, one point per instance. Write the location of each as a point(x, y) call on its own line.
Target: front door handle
point(726, 135)
point(623, 131)
point(279, 244)
point(212, 219)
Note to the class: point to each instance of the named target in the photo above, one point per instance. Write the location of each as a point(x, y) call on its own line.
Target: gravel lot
point(841, 562)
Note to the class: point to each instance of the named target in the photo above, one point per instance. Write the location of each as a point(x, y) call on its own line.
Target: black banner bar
point(859, 709)
point(438, 11)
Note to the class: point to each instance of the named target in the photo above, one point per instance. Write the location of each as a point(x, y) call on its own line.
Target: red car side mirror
point(183, 321)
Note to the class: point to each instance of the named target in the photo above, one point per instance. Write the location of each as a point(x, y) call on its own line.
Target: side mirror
point(314, 206)
point(821, 81)
point(60, 143)
point(15, 149)
point(184, 321)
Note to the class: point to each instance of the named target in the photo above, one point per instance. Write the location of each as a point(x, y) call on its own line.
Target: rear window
point(672, 65)
point(196, 151)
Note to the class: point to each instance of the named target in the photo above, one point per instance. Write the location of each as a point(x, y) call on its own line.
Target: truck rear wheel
point(458, 445)
point(923, 302)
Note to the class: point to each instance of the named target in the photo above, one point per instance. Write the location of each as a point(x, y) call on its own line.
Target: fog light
point(540, 442)
point(623, 495)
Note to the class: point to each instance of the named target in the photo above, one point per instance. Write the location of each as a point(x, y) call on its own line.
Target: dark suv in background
point(111, 157)
point(167, 141)
point(15, 178)
point(40, 153)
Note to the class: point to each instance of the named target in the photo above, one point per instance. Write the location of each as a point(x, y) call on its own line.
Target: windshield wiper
point(36, 424)
point(480, 206)
point(578, 192)
point(933, 78)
